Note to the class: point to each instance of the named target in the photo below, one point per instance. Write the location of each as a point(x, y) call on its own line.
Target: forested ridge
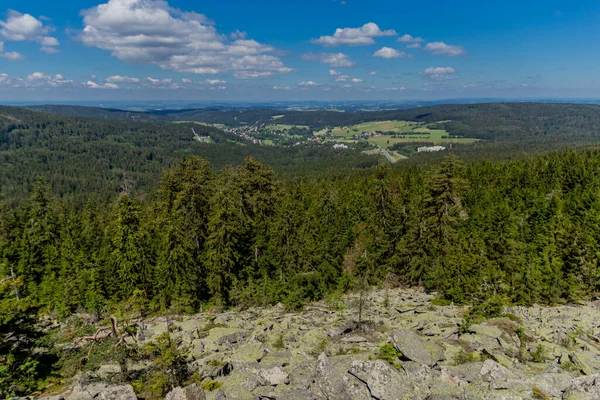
point(241, 234)
point(488, 121)
point(86, 157)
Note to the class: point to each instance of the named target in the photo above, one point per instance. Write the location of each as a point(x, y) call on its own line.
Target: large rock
point(408, 343)
point(383, 381)
point(102, 390)
point(329, 382)
point(272, 377)
point(191, 392)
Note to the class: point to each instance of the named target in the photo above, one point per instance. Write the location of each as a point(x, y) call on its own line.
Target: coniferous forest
point(480, 233)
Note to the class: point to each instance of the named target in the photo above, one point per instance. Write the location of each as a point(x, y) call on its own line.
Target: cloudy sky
point(297, 50)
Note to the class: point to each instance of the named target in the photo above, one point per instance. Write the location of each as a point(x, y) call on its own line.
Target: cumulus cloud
point(333, 59)
point(39, 79)
point(11, 55)
point(3, 78)
point(281, 88)
point(443, 49)
point(308, 83)
point(388, 52)
point(413, 46)
point(354, 36)
point(215, 82)
point(409, 39)
point(356, 80)
point(333, 72)
point(94, 85)
point(185, 80)
point(26, 28)
point(122, 79)
point(439, 73)
point(372, 73)
point(152, 32)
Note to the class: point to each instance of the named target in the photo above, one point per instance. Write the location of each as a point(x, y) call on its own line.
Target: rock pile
point(325, 354)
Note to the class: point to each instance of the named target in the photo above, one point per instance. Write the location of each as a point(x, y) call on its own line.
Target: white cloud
point(94, 85)
point(3, 78)
point(413, 46)
point(439, 73)
point(372, 73)
point(37, 76)
point(346, 86)
point(441, 48)
point(388, 52)
point(410, 39)
point(333, 59)
point(356, 80)
point(26, 28)
point(121, 79)
point(185, 80)
point(152, 80)
point(308, 83)
point(333, 72)
point(152, 32)
point(354, 36)
point(11, 56)
point(342, 78)
point(39, 79)
point(281, 88)
point(215, 82)
point(394, 89)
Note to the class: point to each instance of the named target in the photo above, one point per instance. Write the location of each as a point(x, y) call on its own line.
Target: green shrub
point(388, 353)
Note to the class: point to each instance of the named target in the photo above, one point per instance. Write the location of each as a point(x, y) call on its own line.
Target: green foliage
point(279, 343)
point(171, 368)
point(539, 394)
point(539, 354)
point(388, 353)
point(464, 357)
point(490, 308)
point(319, 348)
point(209, 385)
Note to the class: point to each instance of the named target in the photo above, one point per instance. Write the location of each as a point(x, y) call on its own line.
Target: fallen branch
point(106, 332)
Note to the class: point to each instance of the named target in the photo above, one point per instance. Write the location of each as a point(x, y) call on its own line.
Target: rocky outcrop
point(323, 354)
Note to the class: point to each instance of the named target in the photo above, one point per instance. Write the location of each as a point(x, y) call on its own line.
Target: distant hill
point(100, 113)
point(489, 121)
point(82, 157)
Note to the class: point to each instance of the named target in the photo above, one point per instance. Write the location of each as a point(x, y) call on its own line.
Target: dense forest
point(79, 235)
point(488, 121)
point(520, 232)
point(83, 157)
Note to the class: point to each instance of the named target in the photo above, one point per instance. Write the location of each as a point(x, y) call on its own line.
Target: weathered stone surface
point(102, 390)
point(383, 381)
point(106, 372)
point(273, 376)
point(408, 343)
point(191, 392)
point(329, 382)
point(586, 362)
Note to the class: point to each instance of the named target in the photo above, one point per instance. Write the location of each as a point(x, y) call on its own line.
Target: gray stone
point(340, 330)
point(408, 343)
point(108, 371)
point(273, 376)
point(103, 391)
point(329, 382)
point(191, 392)
point(383, 381)
point(492, 371)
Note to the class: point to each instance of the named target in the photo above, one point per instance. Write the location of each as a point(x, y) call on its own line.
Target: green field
point(412, 132)
point(370, 127)
point(281, 127)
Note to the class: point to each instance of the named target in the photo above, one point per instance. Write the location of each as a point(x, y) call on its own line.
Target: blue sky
point(306, 50)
